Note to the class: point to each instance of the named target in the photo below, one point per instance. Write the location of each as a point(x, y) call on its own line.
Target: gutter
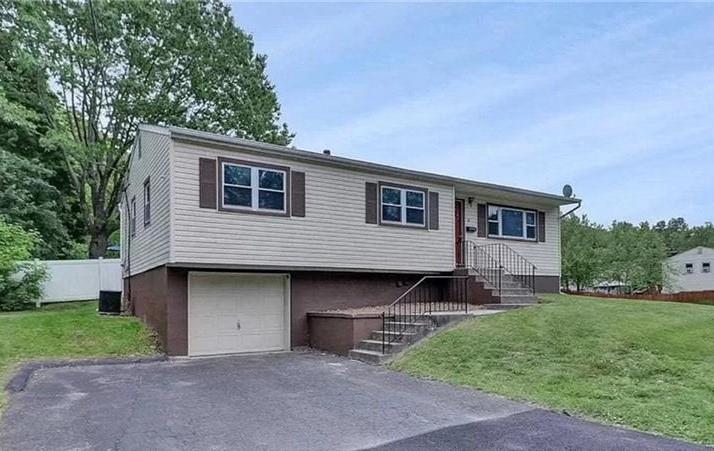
point(572, 209)
point(199, 137)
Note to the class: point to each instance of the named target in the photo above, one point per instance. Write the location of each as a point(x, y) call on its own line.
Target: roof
point(460, 184)
point(694, 251)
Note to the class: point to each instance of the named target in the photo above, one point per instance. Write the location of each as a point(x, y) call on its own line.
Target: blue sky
point(617, 100)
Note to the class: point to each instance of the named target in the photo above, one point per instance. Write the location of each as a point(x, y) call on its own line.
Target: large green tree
point(679, 236)
point(583, 244)
point(28, 193)
point(634, 256)
point(625, 253)
point(114, 64)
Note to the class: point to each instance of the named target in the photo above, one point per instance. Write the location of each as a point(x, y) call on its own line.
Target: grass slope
point(71, 330)
point(646, 365)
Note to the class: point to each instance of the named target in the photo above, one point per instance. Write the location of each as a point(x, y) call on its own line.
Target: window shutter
point(433, 210)
point(297, 194)
point(541, 226)
point(207, 183)
point(371, 203)
point(481, 222)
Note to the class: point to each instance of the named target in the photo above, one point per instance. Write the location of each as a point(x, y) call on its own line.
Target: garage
point(237, 313)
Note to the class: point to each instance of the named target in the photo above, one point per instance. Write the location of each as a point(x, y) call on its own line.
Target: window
point(510, 222)
point(147, 202)
point(689, 268)
point(706, 267)
point(253, 188)
point(132, 217)
point(403, 206)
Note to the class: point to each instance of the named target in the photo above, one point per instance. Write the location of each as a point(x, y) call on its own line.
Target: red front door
point(459, 231)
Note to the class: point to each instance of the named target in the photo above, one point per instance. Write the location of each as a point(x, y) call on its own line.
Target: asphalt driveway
point(295, 401)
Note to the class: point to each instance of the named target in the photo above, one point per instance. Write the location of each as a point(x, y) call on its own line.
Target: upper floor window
point(706, 267)
point(403, 206)
point(689, 268)
point(508, 222)
point(147, 202)
point(132, 217)
point(253, 188)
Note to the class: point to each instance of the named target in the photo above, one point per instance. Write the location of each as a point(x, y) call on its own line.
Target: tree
point(582, 251)
point(20, 281)
point(27, 195)
point(115, 64)
point(634, 256)
point(679, 236)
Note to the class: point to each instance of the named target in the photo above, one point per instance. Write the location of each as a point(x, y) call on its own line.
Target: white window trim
point(499, 221)
point(147, 202)
point(403, 199)
point(254, 188)
point(132, 216)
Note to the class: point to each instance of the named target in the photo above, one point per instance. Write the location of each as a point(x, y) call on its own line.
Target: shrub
point(20, 281)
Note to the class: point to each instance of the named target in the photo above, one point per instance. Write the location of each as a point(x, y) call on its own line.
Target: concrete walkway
point(291, 401)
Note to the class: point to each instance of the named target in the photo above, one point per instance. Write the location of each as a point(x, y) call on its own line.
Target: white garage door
point(230, 313)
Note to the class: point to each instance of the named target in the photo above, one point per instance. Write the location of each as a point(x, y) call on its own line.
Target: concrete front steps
point(370, 350)
point(512, 292)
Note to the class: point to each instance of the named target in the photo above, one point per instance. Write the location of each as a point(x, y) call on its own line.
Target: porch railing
point(514, 265)
point(431, 294)
point(495, 262)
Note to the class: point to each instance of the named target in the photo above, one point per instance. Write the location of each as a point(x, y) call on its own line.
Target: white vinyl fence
point(77, 280)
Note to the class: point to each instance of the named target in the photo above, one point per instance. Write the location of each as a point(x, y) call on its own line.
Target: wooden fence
point(690, 297)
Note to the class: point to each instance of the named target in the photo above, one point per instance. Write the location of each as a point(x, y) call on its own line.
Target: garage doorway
point(231, 313)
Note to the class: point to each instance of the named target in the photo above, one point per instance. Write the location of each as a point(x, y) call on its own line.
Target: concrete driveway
point(295, 401)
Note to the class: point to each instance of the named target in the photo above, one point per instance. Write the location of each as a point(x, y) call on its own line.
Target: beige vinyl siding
point(332, 235)
point(545, 255)
point(149, 247)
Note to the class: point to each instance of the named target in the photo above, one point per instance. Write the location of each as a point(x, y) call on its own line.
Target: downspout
point(128, 250)
point(572, 210)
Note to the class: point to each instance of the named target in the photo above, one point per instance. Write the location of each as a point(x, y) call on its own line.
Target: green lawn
point(72, 330)
point(641, 364)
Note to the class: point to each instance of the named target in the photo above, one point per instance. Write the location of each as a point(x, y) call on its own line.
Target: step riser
point(412, 329)
point(377, 346)
point(401, 338)
point(517, 291)
point(505, 285)
point(505, 306)
point(518, 299)
point(367, 358)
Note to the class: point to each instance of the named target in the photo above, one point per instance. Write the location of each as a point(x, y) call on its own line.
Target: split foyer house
point(228, 243)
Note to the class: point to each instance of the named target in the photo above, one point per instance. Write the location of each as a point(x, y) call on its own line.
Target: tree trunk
point(98, 242)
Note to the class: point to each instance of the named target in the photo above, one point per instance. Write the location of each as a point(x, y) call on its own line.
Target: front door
point(459, 231)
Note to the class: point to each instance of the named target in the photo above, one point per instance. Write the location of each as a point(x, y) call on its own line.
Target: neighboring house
point(690, 271)
point(609, 287)
point(221, 234)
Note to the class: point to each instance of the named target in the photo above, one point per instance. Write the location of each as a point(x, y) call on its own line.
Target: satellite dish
point(567, 191)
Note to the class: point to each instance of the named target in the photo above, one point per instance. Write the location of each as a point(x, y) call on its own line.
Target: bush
point(20, 282)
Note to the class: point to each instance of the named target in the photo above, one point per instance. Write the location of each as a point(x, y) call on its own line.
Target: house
point(228, 243)
point(609, 287)
point(690, 271)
